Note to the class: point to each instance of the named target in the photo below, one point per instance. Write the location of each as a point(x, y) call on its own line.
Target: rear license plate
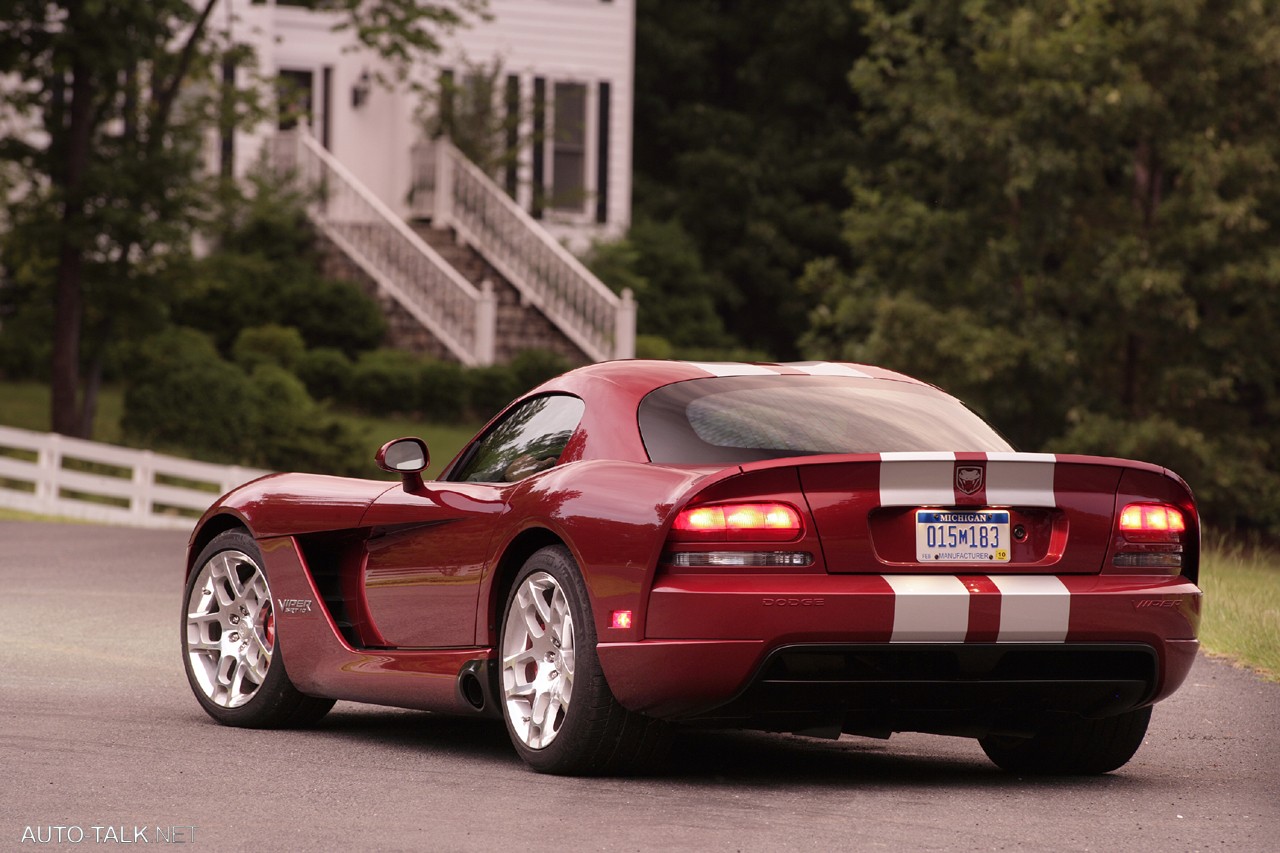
point(962, 536)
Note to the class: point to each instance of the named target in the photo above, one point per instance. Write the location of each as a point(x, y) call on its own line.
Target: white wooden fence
point(51, 474)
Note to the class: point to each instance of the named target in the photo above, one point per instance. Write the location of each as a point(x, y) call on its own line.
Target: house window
point(293, 97)
point(569, 147)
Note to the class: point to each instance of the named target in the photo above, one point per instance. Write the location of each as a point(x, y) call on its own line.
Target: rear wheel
point(1081, 747)
point(559, 711)
point(230, 650)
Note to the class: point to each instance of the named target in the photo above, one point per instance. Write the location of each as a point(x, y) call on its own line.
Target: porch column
point(486, 324)
point(442, 213)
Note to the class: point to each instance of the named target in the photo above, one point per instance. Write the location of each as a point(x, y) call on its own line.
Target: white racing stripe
point(929, 609)
point(935, 608)
point(732, 369)
point(914, 479)
point(827, 368)
point(1033, 608)
point(811, 368)
point(1012, 479)
point(1021, 479)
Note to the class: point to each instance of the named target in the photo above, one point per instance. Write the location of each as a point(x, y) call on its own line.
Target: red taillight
point(1152, 523)
point(771, 521)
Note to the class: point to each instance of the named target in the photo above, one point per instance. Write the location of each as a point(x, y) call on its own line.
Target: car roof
point(614, 390)
point(651, 374)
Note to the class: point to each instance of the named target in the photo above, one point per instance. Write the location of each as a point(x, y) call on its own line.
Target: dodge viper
point(816, 548)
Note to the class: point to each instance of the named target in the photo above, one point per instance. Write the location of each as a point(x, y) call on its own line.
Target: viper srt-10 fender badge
point(969, 479)
point(793, 602)
point(294, 605)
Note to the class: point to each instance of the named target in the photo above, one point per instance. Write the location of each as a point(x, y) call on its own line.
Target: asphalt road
point(99, 736)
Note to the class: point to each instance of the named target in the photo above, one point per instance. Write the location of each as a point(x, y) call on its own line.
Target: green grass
point(1241, 617)
point(26, 405)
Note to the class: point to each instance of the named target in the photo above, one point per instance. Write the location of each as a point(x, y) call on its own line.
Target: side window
point(530, 439)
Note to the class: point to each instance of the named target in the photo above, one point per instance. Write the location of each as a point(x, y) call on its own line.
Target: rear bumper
point(776, 651)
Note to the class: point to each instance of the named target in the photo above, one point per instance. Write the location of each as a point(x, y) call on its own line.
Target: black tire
point(1078, 748)
point(587, 732)
point(230, 653)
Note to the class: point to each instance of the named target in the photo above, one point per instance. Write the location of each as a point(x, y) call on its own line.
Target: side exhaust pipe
point(478, 687)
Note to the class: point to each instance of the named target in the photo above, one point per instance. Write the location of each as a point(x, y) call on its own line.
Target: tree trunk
point(89, 406)
point(65, 414)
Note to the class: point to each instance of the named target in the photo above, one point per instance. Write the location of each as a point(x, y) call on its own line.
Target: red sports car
point(816, 548)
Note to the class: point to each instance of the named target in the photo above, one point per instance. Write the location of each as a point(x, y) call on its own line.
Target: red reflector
point(752, 520)
point(621, 619)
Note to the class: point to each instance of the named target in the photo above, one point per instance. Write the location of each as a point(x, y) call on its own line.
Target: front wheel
point(1080, 747)
point(559, 711)
point(229, 643)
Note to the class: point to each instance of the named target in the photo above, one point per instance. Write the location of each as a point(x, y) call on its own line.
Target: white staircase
point(459, 314)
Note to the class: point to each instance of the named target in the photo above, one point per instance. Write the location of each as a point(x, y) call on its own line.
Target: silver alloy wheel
point(538, 660)
point(230, 628)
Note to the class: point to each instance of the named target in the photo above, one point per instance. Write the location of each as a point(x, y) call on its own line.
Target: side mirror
point(407, 457)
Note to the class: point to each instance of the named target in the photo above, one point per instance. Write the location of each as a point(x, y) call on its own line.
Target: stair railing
point(459, 315)
point(599, 322)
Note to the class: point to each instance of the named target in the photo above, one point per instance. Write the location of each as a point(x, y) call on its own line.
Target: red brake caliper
point(269, 628)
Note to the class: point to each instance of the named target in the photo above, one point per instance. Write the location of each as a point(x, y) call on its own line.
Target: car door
point(427, 552)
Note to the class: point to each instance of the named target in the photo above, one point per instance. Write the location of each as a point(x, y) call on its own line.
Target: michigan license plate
point(962, 536)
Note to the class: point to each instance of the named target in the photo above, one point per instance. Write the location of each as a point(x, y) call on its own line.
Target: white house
point(489, 274)
point(567, 64)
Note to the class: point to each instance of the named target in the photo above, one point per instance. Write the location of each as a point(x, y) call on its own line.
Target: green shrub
point(653, 346)
point(532, 367)
point(183, 396)
point(331, 313)
point(181, 393)
point(442, 390)
point(490, 389)
point(675, 294)
point(265, 269)
point(270, 344)
point(289, 431)
point(386, 381)
point(327, 373)
point(239, 291)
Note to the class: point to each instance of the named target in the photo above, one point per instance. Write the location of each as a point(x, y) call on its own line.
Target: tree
point(1068, 214)
point(744, 128)
point(264, 268)
point(107, 89)
point(478, 115)
point(108, 158)
point(674, 294)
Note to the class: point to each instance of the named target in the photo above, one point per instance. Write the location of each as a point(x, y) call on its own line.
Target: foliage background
point(1066, 214)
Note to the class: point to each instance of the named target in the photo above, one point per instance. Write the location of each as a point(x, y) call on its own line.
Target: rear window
point(746, 418)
